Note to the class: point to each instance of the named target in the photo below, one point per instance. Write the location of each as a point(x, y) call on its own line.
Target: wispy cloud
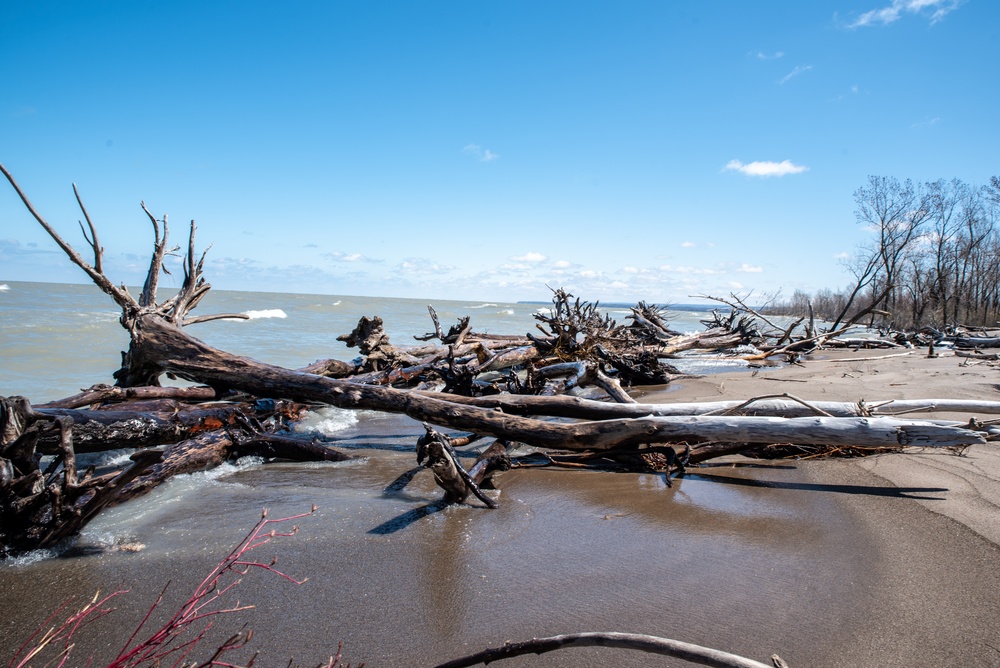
point(934, 10)
point(799, 69)
point(750, 269)
point(423, 266)
point(340, 256)
point(479, 153)
point(760, 55)
point(688, 244)
point(765, 168)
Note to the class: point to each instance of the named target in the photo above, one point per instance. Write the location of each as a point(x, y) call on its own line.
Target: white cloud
point(799, 69)
point(841, 256)
point(562, 264)
point(630, 270)
point(750, 269)
point(531, 257)
point(480, 153)
point(770, 56)
point(936, 9)
point(766, 168)
point(688, 244)
point(735, 285)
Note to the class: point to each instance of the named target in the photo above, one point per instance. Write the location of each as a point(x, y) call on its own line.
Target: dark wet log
point(99, 394)
point(102, 430)
point(285, 447)
point(457, 483)
point(491, 461)
point(204, 451)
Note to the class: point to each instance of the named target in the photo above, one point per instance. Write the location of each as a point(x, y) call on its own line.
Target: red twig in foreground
point(172, 643)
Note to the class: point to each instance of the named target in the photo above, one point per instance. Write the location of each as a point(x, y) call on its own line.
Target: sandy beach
point(936, 599)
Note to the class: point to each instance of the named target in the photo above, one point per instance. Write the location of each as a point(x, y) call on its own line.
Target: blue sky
point(476, 150)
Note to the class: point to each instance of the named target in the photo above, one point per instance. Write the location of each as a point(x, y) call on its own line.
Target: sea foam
point(327, 421)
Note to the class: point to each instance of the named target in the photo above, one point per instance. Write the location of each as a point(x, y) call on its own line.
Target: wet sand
point(885, 562)
point(936, 597)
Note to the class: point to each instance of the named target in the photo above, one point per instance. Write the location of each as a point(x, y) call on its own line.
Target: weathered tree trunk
point(771, 406)
point(189, 358)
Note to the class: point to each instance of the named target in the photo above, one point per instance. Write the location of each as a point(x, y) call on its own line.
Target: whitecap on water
point(482, 306)
point(506, 311)
point(265, 313)
point(4, 286)
point(327, 421)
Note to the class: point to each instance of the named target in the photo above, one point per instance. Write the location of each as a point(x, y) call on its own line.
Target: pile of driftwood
point(506, 387)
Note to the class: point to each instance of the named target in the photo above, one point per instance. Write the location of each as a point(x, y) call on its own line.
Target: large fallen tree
point(507, 387)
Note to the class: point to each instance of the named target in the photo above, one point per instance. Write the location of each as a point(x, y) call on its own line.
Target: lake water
point(739, 567)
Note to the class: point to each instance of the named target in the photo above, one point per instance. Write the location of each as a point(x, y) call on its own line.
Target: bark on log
point(99, 394)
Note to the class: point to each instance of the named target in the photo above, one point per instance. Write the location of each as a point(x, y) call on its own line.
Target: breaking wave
point(482, 306)
point(266, 313)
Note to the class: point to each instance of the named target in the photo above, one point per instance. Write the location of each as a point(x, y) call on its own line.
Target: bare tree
point(896, 213)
